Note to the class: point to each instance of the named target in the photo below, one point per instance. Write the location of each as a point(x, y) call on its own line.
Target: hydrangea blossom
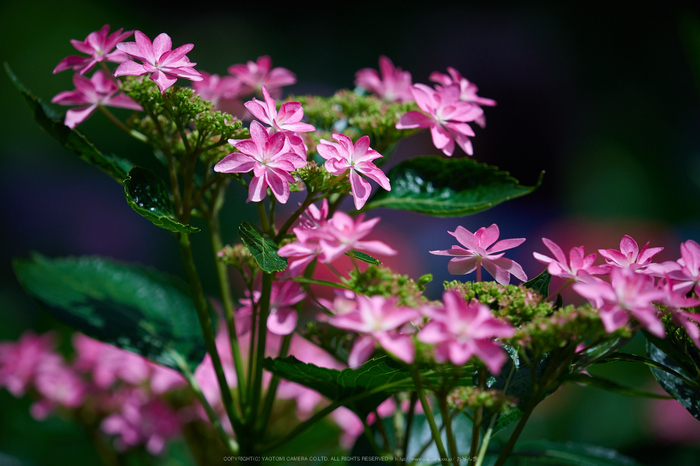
point(164, 64)
point(393, 85)
point(685, 272)
point(255, 75)
point(215, 88)
point(461, 330)
point(629, 256)
point(98, 46)
point(378, 320)
point(344, 155)
point(481, 251)
point(578, 267)
point(445, 115)
point(19, 360)
point(91, 93)
point(266, 156)
point(468, 90)
point(283, 317)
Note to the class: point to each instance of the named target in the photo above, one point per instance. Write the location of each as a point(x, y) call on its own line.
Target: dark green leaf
point(612, 386)
point(566, 454)
point(361, 256)
point(447, 187)
point(597, 354)
point(147, 195)
point(540, 283)
point(132, 307)
point(71, 139)
point(625, 357)
point(686, 395)
point(262, 248)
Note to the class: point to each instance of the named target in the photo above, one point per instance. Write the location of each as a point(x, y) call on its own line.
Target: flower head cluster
point(393, 85)
point(579, 266)
point(283, 317)
point(256, 74)
point(468, 90)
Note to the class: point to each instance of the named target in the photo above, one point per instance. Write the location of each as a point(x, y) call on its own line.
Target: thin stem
point(478, 417)
point(272, 388)
point(292, 218)
point(264, 224)
point(561, 288)
point(409, 421)
point(429, 416)
point(264, 312)
point(452, 445)
point(117, 122)
point(485, 442)
point(508, 448)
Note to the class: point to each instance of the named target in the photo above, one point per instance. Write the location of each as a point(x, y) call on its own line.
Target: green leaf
point(597, 354)
point(612, 386)
point(147, 195)
point(566, 454)
point(443, 187)
point(540, 283)
point(686, 395)
point(262, 248)
point(361, 256)
point(132, 307)
point(71, 139)
point(625, 357)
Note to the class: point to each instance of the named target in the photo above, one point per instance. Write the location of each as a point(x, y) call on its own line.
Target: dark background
point(602, 96)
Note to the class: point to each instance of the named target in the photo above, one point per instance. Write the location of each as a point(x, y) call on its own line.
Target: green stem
point(272, 388)
point(409, 422)
point(485, 442)
point(292, 218)
point(131, 132)
point(264, 224)
point(478, 417)
point(264, 312)
point(452, 445)
point(429, 416)
point(508, 448)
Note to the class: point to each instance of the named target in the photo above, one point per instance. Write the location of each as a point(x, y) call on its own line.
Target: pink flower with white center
point(270, 162)
point(346, 234)
point(445, 115)
point(394, 84)
point(481, 251)
point(282, 319)
point(461, 330)
point(378, 320)
point(255, 75)
point(629, 256)
point(165, 64)
point(467, 92)
point(287, 120)
point(93, 92)
point(344, 155)
point(19, 360)
point(98, 46)
point(627, 294)
point(215, 88)
point(578, 267)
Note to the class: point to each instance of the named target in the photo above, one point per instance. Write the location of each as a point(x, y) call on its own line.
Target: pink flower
point(108, 364)
point(394, 84)
point(481, 251)
point(627, 294)
point(256, 74)
point(445, 115)
point(467, 89)
point(283, 317)
point(215, 88)
point(96, 91)
point(357, 158)
point(377, 320)
point(98, 45)
point(270, 162)
point(165, 64)
point(629, 256)
point(462, 330)
point(58, 385)
point(578, 266)
point(686, 272)
point(19, 360)
point(675, 303)
point(287, 120)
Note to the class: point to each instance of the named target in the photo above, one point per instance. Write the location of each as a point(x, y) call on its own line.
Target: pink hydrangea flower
point(578, 267)
point(468, 90)
point(675, 303)
point(461, 330)
point(266, 156)
point(255, 75)
point(685, 273)
point(58, 385)
point(108, 364)
point(445, 115)
point(393, 85)
point(283, 317)
point(627, 294)
point(344, 155)
point(98, 46)
point(629, 256)
point(215, 88)
point(93, 92)
point(19, 360)
point(164, 64)
point(378, 320)
point(481, 251)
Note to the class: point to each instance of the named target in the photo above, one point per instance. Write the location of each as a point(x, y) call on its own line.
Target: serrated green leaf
point(132, 307)
point(612, 386)
point(361, 256)
point(262, 248)
point(540, 283)
point(147, 195)
point(686, 395)
point(443, 187)
point(71, 139)
point(540, 453)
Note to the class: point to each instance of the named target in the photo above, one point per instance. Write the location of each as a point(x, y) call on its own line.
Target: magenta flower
point(445, 115)
point(685, 273)
point(165, 64)
point(283, 317)
point(19, 360)
point(577, 267)
point(394, 84)
point(215, 88)
point(255, 75)
point(627, 294)
point(270, 162)
point(675, 303)
point(343, 156)
point(481, 251)
point(377, 320)
point(462, 330)
point(93, 92)
point(629, 256)
point(467, 89)
point(98, 46)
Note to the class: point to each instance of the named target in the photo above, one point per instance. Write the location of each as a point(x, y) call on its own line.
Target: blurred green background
point(603, 96)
